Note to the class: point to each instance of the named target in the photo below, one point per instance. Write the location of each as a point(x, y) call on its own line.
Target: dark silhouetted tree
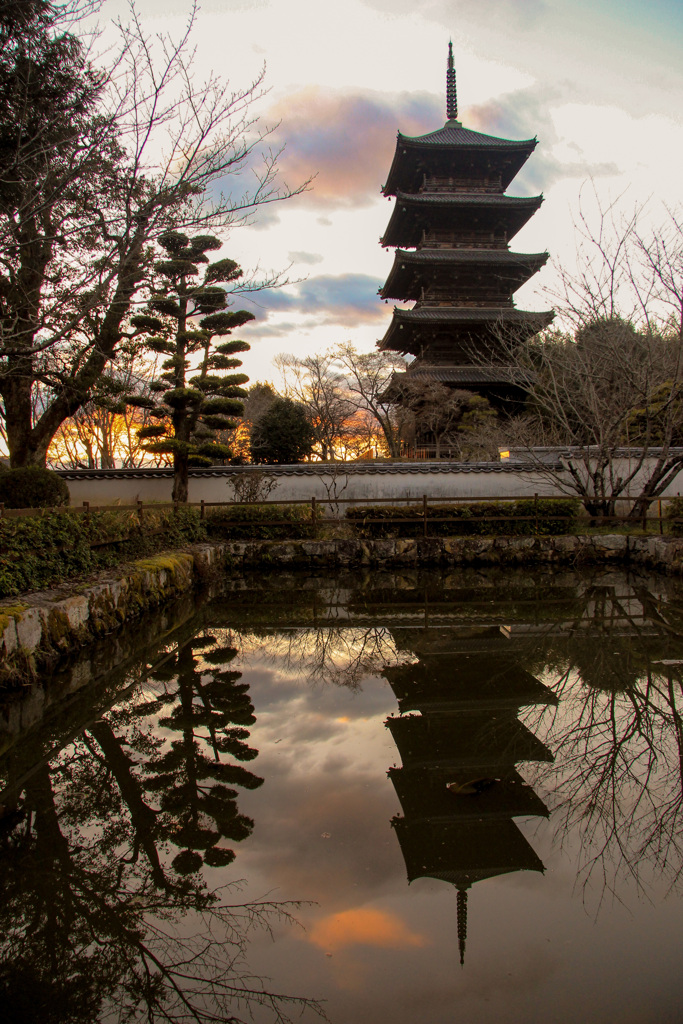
point(193, 410)
point(283, 434)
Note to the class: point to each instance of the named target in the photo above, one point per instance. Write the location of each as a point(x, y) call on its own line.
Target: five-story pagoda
point(452, 224)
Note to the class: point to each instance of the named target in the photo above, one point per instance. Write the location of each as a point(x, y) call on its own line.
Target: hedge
point(259, 522)
point(542, 517)
point(41, 551)
point(32, 487)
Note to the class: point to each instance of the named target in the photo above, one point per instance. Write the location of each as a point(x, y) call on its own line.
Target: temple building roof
point(406, 332)
point(412, 270)
point(455, 146)
point(460, 211)
point(462, 376)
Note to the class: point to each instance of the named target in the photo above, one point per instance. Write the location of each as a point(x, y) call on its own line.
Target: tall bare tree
point(95, 163)
point(368, 377)
point(605, 391)
point(316, 383)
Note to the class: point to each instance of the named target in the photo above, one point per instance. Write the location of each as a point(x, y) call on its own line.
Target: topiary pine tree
point(191, 411)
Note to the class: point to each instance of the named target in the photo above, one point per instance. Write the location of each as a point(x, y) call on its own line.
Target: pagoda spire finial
point(462, 923)
point(451, 92)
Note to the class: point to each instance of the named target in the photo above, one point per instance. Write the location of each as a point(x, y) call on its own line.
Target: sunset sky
point(599, 84)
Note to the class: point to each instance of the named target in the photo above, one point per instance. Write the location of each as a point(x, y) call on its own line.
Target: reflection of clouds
point(317, 661)
point(294, 810)
point(363, 926)
point(324, 753)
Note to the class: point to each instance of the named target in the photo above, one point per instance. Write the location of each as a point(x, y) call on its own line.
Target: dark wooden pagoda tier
point(485, 274)
point(481, 741)
point(455, 220)
point(457, 334)
point(452, 208)
point(464, 853)
point(424, 794)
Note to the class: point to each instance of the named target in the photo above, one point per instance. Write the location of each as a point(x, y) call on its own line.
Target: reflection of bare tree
point(341, 655)
point(617, 736)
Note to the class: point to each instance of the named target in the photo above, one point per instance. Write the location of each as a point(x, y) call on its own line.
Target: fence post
point(202, 509)
point(536, 514)
point(175, 507)
point(86, 506)
point(661, 524)
point(314, 517)
point(424, 515)
point(140, 514)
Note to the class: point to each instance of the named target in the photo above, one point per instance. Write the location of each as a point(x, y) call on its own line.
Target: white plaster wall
point(401, 481)
point(406, 482)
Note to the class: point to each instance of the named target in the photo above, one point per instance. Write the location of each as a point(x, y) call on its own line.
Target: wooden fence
point(321, 507)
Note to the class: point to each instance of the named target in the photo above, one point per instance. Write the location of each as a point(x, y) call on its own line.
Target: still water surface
point(398, 799)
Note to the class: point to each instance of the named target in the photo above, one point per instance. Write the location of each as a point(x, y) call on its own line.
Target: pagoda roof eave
point(410, 267)
point(454, 140)
point(407, 329)
point(496, 376)
point(457, 136)
point(408, 215)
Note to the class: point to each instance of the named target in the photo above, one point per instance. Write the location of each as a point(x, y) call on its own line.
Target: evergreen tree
point(192, 410)
point(283, 434)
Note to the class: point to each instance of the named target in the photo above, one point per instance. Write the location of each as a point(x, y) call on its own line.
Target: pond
point(411, 797)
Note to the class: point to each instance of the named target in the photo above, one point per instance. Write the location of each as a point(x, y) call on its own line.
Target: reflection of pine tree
point(209, 711)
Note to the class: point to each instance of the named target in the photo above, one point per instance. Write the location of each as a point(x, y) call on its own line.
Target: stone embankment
point(37, 629)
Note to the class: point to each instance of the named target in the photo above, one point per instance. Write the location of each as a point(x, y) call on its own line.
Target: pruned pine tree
point(191, 410)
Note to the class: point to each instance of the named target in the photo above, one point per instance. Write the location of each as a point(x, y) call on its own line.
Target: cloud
point(347, 299)
point(363, 926)
point(309, 258)
point(520, 13)
point(346, 140)
point(524, 14)
point(521, 115)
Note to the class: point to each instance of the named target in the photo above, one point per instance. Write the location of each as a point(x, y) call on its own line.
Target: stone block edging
point(38, 628)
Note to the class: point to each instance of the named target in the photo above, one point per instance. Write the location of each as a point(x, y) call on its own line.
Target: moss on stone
point(9, 612)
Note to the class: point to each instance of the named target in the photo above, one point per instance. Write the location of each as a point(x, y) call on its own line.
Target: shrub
point(32, 487)
point(499, 518)
point(40, 551)
point(259, 522)
point(674, 515)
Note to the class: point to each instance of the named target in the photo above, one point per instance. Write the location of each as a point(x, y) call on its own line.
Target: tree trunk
point(181, 475)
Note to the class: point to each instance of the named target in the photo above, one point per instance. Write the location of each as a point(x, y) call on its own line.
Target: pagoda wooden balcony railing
point(462, 240)
point(448, 184)
point(486, 302)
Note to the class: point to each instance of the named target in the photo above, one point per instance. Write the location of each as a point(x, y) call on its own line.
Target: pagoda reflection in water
point(460, 742)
